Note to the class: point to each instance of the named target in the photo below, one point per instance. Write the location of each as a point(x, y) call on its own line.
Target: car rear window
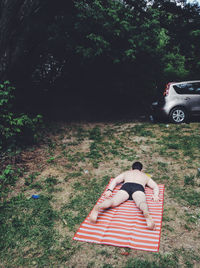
point(187, 88)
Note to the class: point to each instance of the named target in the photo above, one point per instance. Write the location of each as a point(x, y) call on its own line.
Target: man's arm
point(152, 184)
point(114, 182)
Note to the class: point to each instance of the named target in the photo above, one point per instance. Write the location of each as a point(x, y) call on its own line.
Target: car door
point(193, 98)
point(188, 96)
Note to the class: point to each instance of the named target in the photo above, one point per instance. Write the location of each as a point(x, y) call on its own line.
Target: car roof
point(184, 82)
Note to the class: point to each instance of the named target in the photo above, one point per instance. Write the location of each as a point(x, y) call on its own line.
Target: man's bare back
point(134, 176)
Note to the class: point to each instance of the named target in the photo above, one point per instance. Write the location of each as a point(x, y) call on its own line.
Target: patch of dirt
point(62, 197)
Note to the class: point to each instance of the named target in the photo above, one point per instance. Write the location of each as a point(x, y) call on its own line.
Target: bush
point(15, 128)
point(8, 178)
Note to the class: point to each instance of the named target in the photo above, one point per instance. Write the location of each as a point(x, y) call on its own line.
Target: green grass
point(31, 178)
point(27, 229)
point(188, 196)
point(8, 178)
point(142, 130)
point(51, 159)
point(189, 180)
point(166, 261)
point(187, 145)
point(79, 206)
point(38, 232)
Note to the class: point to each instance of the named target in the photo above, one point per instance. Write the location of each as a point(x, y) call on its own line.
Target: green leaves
point(8, 178)
point(126, 47)
point(6, 95)
point(175, 65)
point(14, 127)
point(195, 33)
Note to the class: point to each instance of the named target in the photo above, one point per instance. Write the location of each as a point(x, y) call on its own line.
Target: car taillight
point(166, 92)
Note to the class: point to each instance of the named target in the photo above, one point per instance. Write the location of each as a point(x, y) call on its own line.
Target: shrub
point(8, 178)
point(15, 128)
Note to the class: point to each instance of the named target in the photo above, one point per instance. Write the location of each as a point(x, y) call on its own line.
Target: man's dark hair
point(137, 165)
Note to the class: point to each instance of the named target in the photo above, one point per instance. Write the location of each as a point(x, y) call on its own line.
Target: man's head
point(137, 165)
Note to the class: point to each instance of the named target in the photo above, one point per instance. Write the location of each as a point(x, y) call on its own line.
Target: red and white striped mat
point(125, 225)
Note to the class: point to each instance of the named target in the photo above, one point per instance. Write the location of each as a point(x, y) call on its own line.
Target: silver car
point(180, 101)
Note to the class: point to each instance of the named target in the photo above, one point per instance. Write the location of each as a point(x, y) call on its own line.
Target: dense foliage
point(15, 128)
point(71, 55)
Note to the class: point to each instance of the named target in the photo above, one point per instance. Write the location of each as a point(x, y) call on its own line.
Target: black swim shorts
point(131, 187)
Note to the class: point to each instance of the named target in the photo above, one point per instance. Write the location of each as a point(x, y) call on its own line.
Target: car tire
point(178, 115)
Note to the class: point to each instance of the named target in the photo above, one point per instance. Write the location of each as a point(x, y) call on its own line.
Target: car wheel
point(178, 115)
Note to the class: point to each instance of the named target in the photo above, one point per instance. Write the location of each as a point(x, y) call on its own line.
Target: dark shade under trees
point(70, 58)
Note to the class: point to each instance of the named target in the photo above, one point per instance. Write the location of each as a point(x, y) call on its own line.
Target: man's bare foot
point(94, 214)
point(150, 223)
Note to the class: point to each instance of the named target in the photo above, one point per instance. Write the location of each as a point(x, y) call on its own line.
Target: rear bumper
point(158, 112)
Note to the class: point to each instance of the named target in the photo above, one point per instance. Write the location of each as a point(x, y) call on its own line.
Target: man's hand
point(108, 194)
point(155, 198)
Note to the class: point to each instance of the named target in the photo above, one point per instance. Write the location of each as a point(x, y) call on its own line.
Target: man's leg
point(119, 198)
point(140, 200)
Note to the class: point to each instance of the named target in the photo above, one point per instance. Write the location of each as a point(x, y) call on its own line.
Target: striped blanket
point(125, 225)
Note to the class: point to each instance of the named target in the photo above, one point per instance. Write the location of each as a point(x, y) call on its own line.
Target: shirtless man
point(133, 188)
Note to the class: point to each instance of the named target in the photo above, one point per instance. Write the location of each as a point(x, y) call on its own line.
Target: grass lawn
point(70, 168)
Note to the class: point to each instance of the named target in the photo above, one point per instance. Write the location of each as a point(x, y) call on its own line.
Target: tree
point(57, 52)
